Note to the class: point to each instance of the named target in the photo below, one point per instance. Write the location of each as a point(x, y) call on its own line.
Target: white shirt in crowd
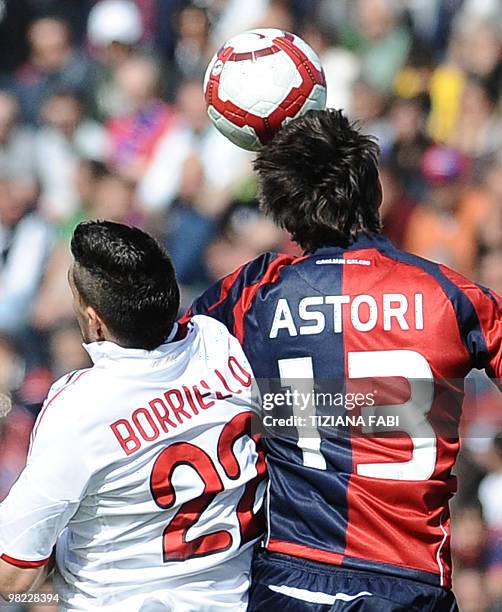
point(144, 472)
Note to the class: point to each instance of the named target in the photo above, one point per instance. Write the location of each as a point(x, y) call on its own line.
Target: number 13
point(377, 364)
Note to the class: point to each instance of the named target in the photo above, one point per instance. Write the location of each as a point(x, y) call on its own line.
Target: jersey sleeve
point(229, 299)
point(489, 308)
point(481, 324)
point(48, 491)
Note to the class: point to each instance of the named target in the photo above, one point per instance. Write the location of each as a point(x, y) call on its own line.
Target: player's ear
point(96, 325)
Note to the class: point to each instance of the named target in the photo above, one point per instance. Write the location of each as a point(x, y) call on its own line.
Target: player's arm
point(489, 309)
point(479, 311)
point(479, 316)
point(14, 579)
point(44, 498)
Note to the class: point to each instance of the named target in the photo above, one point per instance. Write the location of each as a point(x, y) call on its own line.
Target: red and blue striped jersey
point(369, 311)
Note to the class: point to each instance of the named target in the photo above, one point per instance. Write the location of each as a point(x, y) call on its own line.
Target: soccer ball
point(260, 80)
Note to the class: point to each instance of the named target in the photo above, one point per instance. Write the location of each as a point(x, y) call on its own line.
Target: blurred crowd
point(102, 116)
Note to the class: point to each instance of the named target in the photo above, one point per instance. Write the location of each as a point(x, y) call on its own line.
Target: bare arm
point(15, 579)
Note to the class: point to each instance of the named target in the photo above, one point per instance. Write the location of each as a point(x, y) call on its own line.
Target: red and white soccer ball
point(260, 80)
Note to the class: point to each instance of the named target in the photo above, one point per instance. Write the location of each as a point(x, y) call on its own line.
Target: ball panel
point(317, 98)
point(243, 136)
point(254, 40)
point(258, 85)
point(308, 51)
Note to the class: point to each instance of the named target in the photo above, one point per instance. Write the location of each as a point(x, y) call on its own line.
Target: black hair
point(318, 179)
point(97, 168)
point(497, 444)
point(128, 278)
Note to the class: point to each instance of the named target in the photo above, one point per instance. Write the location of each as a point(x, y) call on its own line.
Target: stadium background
point(101, 115)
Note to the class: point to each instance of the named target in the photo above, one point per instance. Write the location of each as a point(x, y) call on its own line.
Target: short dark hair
point(318, 179)
point(128, 278)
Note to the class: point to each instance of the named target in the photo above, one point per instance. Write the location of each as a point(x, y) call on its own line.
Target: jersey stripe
point(23, 564)
point(73, 379)
point(248, 293)
point(489, 294)
point(305, 552)
point(226, 285)
point(438, 554)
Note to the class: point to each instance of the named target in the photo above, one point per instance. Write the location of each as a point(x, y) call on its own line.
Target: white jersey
point(145, 473)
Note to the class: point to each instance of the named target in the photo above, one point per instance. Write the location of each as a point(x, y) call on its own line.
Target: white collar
point(107, 350)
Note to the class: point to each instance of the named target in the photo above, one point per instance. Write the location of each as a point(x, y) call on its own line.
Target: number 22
point(176, 547)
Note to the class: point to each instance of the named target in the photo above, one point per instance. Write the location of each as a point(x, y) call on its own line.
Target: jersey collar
point(363, 241)
point(106, 350)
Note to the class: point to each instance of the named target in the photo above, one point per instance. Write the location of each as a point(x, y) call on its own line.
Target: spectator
point(341, 66)
point(192, 50)
point(187, 216)
point(53, 64)
point(244, 232)
point(469, 536)
point(66, 137)
point(470, 588)
point(114, 31)
point(280, 15)
point(490, 270)
point(66, 352)
point(490, 489)
point(478, 132)
point(108, 196)
point(396, 208)
point(15, 428)
point(490, 236)
point(16, 141)
point(367, 107)
point(191, 133)
point(133, 137)
point(87, 123)
point(445, 228)
point(25, 241)
point(445, 88)
point(409, 143)
point(385, 42)
point(74, 12)
point(482, 50)
point(490, 494)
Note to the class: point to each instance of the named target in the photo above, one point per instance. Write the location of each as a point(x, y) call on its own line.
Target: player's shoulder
point(467, 287)
point(266, 266)
point(203, 324)
point(64, 392)
point(215, 344)
point(462, 291)
point(70, 384)
point(477, 293)
point(441, 273)
point(211, 332)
